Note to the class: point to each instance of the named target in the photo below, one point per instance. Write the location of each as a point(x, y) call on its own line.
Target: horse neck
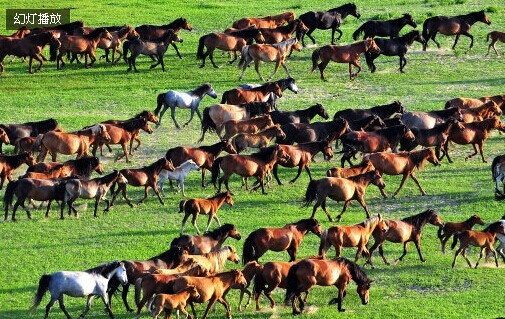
point(219, 201)
point(40, 39)
point(131, 125)
point(213, 149)
point(15, 161)
point(383, 111)
point(418, 221)
point(312, 147)
point(470, 18)
point(108, 179)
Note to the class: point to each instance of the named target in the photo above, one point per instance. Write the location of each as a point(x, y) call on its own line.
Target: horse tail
point(181, 210)
point(224, 99)
point(138, 289)
point(126, 47)
point(311, 193)
point(215, 170)
point(207, 122)
point(291, 283)
point(440, 232)
point(199, 51)
point(315, 58)
point(426, 30)
point(356, 33)
point(9, 195)
point(248, 250)
point(324, 245)
point(41, 290)
point(259, 283)
point(487, 37)
point(243, 53)
point(455, 240)
point(160, 100)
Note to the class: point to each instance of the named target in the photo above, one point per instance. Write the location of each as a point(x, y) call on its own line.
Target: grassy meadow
point(79, 97)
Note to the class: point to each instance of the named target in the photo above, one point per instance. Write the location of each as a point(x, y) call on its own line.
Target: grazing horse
point(254, 125)
point(390, 47)
point(448, 229)
point(205, 206)
point(275, 52)
point(430, 119)
point(29, 129)
point(403, 231)
point(287, 238)
point(495, 36)
point(336, 272)
point(9, 163)
point(342, 54)
point(28, 46)
point(316, 131)
point(389, 28)
point(271, 21)
point(190, 99)
point(203, 156)
point(498, 173)
point(85, 44)
point(146, 176)
point(82, 167)
point(243, 141)
point(344, 172)
point(179, 174)
point(79, 284)
point(384, 111)
point(484, 239)
point(169, 302)
point(341, 189)
point(331, 19)
point(402, 164)
point(457, 25)
point(299, 116)
point(256, 164)
point(350, 236)
point(209, 241)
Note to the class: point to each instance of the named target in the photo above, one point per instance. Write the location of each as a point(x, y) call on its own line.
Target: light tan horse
point(345, 172)
point(464, 102)
point(495, 37)
point(254, 125)
point(478, 113)
point(271, 21)
point(169, 302)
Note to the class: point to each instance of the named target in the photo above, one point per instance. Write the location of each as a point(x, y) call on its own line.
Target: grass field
point(78, 97)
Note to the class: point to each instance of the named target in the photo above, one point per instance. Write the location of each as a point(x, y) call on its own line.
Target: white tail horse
point(178, 174)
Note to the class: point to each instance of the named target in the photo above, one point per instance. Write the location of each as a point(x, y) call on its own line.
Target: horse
point(484, 239)
point(284, 32)
point(250, 270)
point(390, 47)
point(256, 164)
point(501, 239)
point(27, 46)
point(498, 173)
point(475, 133)
point(243, 141)
point(457, 25)
point(20, 33)
point(268, 277)
point(301, 155)
point(70, 143)
point(85, 44)
point(190, 99)
point(254, 125)
point(350, 236)
point(82, 167)
point(331, 19)
point(271, 21)
point(346, 172)
point(79, 284)
point(388, 28)
point(403, 231)
point(209, 241)
point(146, 176)
point(342, 54)
point(286, 83)
point(29, 129)
point(341, 189)
point(225, 42)
point(316, 131)
point(126, 32)
point(448, 229)
point(336, 272)
point(495, 36)
point(203, 156)
point(478, 113)
point(178, 174)
point(96, 188)
point(287, 238)
point(9, 163)
point(216, 115)
point(213, 262)
point(429, 119)
point(169, 302)
point(403, 163)
point(4, 138)
point(206, 206)
point(299, 116)
point(155, 47)
point(384, 111)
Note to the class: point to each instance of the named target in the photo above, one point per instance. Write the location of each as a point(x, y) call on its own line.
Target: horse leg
point(285, 68)
point(404, 178)
point(300, 168)
point(404, 61)
point(62, 307)
point(211, 217)
point(184, 219)
point(107, 305)
point(433, 38)
point(88, 306)
point(321, 67)
point(157, 192)
point(333, 36)
point(309, 34)
point(193, 221)
point(474, 153)
point(323, 206)
point(417, 242)
point(172, 114)
point(257, 68)
point(381, 252)
point(418, 184)
point(234, 58)
point(176, 50)
point(211, 58)
point(190, 118)
point(356, 64)
point(466, 258)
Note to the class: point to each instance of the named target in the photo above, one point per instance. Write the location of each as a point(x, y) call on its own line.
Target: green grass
point(78, 97)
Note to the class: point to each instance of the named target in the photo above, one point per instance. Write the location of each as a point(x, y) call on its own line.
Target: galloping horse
point(85, 44)
point(209, 241)
point(9, 163)
point(287, 238)
point(271, 21)
point(190, 99)
point(342, 54)
point(299, 116)
point(448, 229)
point(495, 37)
point(457, 25)
point(389, 28)
point(239, 95)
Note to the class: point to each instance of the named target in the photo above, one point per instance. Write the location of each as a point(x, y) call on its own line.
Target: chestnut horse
point(254, 125)
point(284, 32)
point(82, 167)
point(464, 102)
point(448, 229)
point(342, 54)
point(271, 275)
point(346, 172)
point(402, 164)
point(287, 238)
point(243, 141)
point(271, 21)
point(238, 95)
point(250, 270)
point(209, 241)
point(9, 163)
point(495, 36)
point(478, 113)
point(169, 302)
point(341, 189)
point(85, 44)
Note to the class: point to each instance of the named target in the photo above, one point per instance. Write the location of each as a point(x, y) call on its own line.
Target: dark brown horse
point(9, 163)
point(29, 129)
point(316, 131)
point(20, 33)
point(271, 21)
point(388, 28)
point(85, 44)
point(403, 231)
point(384, 111)
point(495, 36)
point(209, 241)
point(82, 167)
point(299, 116)
point(448, 229)
point(342, 54)
point(457, 25)
point(287, 238)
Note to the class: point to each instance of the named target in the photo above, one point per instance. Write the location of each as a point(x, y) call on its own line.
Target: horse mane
point(420, 219)
point(214, 148)
point(132, 124)
point(104, 269)
point(265, 154)
point(384, 111)
point(94, 34)
point(84, 165)
point(220, 232)
point(142, 114)
point(219, 195)
point(345, 7)
point(358, 275)
point(109, 177)
point(370, 220)
point(493, 227)
point(174, 254)
point(220, 255)
point(156, 164)
point(200, 91)
point(177, 23)
point(307, 222)
point(418, 157)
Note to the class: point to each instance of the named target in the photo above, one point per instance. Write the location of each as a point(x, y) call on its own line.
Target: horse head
point(371, 46)
point(121, 274)
point(377, 180)
point(408, 19)
point(476, 219)
point(29, 159)
point(483, 18)
point(232, 255)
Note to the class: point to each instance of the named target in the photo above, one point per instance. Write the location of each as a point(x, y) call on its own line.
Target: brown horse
point(214, 261)
point(20, 33)
point(85, 44)
point(254, 125)
point(495, 36)
point(9, 163)
point(206, 206)
point(203, 156)
point(276, 52)
point(70, 143)
point(82, 167)
point(238, 95)
point(404, 231)
point(251, 269)
point(16, 131)
point(256, 164)
point(117, 37)
point(402, 164)
point(344, 172)
point(285, 32)
point(271, 21)
point(448, 229)
point(242, 141)
point(209, 241)
point(457, 25)
point(169, 302)
point(478, 113)
point(301, 155)
point(475, 133)
point(146, 176)
point(342, 54)
point(351, 236)
point(464, 102)
point(287, 238)
point(336, 272)
point(341, 189)
point(484, 239)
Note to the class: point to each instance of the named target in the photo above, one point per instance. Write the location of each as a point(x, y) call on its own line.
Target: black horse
point(391, 47)
point(324, 20)
point(317, 131)
point(383, 111)
point(299, 116)
point(388, 28)
point(28, 129)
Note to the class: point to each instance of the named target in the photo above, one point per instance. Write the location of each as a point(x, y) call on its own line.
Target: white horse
point(498, 170)
point(178, 174)
point(80, 284)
